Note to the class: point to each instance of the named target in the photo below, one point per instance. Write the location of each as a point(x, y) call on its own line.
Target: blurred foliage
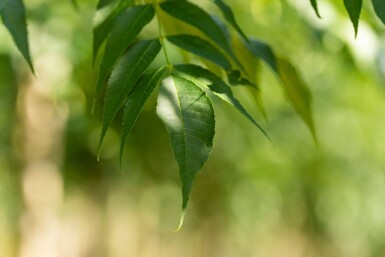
point(253, 198)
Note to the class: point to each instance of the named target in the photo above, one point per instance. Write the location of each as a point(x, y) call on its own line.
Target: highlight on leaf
point(188, 114)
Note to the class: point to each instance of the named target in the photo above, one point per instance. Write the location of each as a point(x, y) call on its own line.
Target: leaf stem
point(161, 36)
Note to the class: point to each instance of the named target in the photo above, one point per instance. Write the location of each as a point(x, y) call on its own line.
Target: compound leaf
point(14, 19)
point(201, 48)
point(188, 115)
point(136, 100)
point(124, 76)
point(125, 29)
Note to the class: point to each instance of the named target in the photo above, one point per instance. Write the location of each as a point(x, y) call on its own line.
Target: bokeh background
point(291, 198)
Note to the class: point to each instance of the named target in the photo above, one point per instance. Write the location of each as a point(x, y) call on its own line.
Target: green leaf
point(204, 77)
point(14, 19)
point(354, 9)
point(126, 27)
point(196, 17)
point(379, 8)
point(103, 29)
point(201, 48)
point(136, 100)
point(103, 3)
point(315, 7)
point(189, 117)
point(263, 51)
point(297, 93)
point(230, 18)
point(124, 76)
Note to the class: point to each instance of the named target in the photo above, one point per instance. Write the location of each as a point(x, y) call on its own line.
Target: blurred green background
point(253, 198)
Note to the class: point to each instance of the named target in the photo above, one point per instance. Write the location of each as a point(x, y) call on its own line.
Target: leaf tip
point(181, 220)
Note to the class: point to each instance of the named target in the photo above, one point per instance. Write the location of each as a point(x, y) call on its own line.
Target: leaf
point(124, 76)
point(103, 3)
point(230, 18)
point(126, 27)
point(203, 76)
point(297, 93)
point(14, 19)
point(196, 17)
point(136, 100)
point(103, 29)
point(189, 117)
point(315, 7)
point(354, 9)
point(263, 51)
point(201, 48)
point(379, 8)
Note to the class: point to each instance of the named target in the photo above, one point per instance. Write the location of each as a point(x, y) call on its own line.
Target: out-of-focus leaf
point(188, 115)
point(201, 48)
point(297, 92)
point(136, 100)
point(124, 76)
point(125, 29)
point(104, 3)
point(379, 8)
point(315, 7)
point(263, 51)
point(13, 15)
point(230, 18)
point(235, 78)
point(103, 29)
point(202, 76)
point(195, 16)
point(354, 9)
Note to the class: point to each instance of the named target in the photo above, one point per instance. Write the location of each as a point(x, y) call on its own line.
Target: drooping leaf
point(189, 117)
point(103, 3)
point(136, 100)
point(14, 19)
point(297, 92)
point(201, 48)
point(315, 7)
point(197, 17)
point(264, 52)
point(235, 78)
point(125, 29)
point(124, 76)
point(251, 66)
point(354, 9)
point(230, 18)
point(379, 8)
point(204, 77)
point(102, 30)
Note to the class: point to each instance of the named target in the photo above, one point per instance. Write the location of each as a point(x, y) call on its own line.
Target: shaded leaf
point(197, 17)
point(315, 7)
point(201, 48)
point(230, 18)
point(379, 8)
point(124, 76)
point(263, 51)
point(354, 9)
point(189, 117)
point(136, 100)
point(297, 93)
point(103, 3)
point(14, 19)
point(203, 76)
point(103, 29)
point(125, 29)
